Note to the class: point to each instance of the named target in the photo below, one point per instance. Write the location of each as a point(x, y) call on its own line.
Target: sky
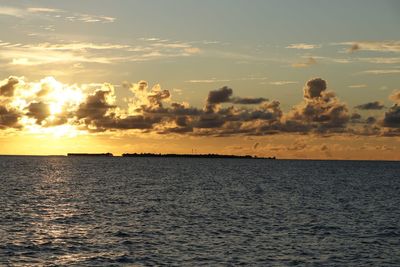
point(292, 79)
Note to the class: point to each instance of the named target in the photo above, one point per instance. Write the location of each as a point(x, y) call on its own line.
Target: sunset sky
point(292, 79)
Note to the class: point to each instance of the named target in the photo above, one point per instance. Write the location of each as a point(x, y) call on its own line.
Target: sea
point(115, 211)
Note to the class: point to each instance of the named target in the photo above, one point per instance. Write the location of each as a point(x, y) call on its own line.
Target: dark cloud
point(376, 105)
point(355, 117)
point(354, 47)
point(221, 95)
point(182, 121)
point(9, 118)
point(209, 121)
point(180, 109)
point(96, 105)
point(249, 101)
point(321, 110)
point(314, 88)
point(391, 132)
point(9, 88)
point(392, 117)
point(130, 122)
point(370, 120)
point(39, 111)
point(224, 95)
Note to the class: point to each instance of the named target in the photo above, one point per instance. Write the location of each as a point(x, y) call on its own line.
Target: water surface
point(60, 211)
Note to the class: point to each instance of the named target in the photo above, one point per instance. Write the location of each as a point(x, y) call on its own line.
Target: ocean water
point(60, 211)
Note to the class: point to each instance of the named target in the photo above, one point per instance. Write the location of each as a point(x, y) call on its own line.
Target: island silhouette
point(170, 155)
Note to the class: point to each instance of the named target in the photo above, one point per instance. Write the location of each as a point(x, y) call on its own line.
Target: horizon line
point(294, 159)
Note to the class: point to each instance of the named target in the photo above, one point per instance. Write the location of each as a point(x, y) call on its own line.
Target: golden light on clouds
point(61, 118)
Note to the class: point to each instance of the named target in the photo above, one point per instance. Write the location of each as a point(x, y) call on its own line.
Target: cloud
point(8, 88)
point(87, 18)
point(314, 88)
point(383, 71)
point(395, 96)
point(53, 14)
point(157, 96)
point(46, 53)
point(355, 117)
point(392, 117)
point(96, 105)
point(282, 82)
point(309, 62)
point(370, 120)
point(11, 11)
point(221, 95)
point(321, 110)
point(303, 46)
point(98, 112)
point(381, 60)
point(357, 86)
point(375, 105)
point(354, 47)
point(213, 80)
point(192, 50)
point(77, 46)
point(381, 46)
point(49, 103)
point(9, 118)
point(39, 111)
point(224, 95)
point(249, 101)
point(43, 10)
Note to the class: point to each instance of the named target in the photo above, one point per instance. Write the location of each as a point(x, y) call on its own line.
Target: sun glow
point(44, 107)
point(65, 130)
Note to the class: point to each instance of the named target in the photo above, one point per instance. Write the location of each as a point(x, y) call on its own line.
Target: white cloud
point(303, 46)
point(11, 11)
point(357, 86)
point(279, 83)
point(89, 52)
point(43, 10)
point(212, 80)
point(52, 13)
point(384, 71)
point(381, 60)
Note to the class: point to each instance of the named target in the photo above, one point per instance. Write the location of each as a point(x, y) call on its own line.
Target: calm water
point(59, 211)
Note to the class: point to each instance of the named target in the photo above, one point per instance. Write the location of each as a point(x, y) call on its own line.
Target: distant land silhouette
point(155, 155)
point(192, 156)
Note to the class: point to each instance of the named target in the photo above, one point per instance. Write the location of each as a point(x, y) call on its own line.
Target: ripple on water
point(64, 211)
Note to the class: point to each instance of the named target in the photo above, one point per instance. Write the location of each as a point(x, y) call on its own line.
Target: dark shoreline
point(171, 155)
point(280, 159)
point(218, 156)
